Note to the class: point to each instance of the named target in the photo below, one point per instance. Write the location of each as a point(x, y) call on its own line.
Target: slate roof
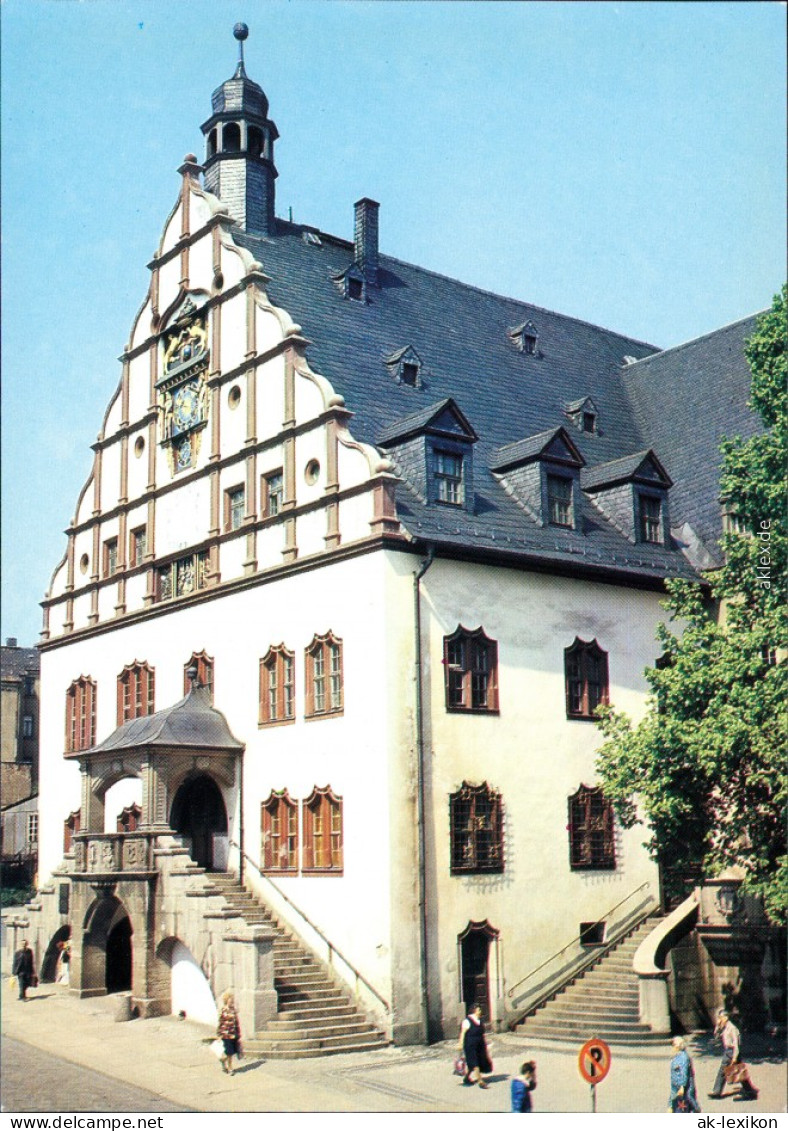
point(192, 723)
point(18, 662)
point(687, 399)
point(523, 450)
point(617, 471)
point(461, 334)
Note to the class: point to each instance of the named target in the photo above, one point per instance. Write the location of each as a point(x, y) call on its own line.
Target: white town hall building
point(361, 550)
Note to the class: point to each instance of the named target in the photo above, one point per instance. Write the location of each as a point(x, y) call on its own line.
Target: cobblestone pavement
point(170, 1061)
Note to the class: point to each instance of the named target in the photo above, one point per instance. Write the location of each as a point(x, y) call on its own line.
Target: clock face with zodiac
point(185, 406)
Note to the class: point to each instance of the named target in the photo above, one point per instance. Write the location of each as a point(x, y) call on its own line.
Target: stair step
point(292, 1053)
point(289, 1047)
point(295, 1030)
point(322, 1012)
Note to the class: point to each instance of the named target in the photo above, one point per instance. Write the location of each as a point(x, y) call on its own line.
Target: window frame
point(327, 807)
point(322, 675)
point(463, 677)
point(277, 805)
point(109, 558)
point(234, 507)
point(587, 652)
point(552, 479)
point(446, 484)
point(648, 521)
point(138, 537)
point(136, 692)
point(592, 844)
point(80, 715)
point(268, 495)
point(468, 853)
point(278, 661)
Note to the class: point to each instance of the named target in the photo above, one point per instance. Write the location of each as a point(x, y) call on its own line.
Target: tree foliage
point(708, 760)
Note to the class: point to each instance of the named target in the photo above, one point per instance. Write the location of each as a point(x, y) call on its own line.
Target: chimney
point(11, 642)
point(365, 237)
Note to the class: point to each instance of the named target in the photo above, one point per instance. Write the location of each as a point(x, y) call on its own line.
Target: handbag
point(460, 1067)
point(736, 1073)
point(217, 1048)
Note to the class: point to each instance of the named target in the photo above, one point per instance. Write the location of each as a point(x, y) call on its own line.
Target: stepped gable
point(462, 338)
point(316, 1017)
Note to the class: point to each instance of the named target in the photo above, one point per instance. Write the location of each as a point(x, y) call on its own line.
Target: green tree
point(709, 756)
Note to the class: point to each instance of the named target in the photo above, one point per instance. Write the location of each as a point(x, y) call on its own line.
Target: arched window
point(470, 662)
point(279, 833)
point(212, 143)
point(255, 141)
point(323, 836)
point(204, 665)
point(277, 686)
point(324, 681)
point(231, 137)
point(80, 714)
point(476, 829)
point(136, 692)
point(585, 672)
point(591, 837)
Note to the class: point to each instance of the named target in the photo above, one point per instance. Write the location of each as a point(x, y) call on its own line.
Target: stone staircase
point(316, 1016)
point(601, 1002)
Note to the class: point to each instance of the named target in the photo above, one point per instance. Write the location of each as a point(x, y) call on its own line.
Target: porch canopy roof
point(192, 724)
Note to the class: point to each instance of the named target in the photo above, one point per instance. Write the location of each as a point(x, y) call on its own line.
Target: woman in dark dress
point(474, 1047)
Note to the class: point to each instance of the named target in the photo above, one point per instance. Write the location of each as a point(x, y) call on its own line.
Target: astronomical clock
point(182, 387)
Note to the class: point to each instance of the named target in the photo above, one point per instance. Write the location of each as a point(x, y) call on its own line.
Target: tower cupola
point(239, 148)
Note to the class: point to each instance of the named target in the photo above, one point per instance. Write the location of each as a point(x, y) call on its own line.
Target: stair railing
point(574, 958)
point(333, 951)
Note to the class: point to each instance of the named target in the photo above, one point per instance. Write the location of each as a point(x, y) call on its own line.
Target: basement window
point(592, 934)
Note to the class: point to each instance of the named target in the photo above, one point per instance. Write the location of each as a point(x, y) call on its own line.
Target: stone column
point(252, 951)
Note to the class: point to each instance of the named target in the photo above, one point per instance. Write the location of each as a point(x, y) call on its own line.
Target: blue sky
point(620, 162)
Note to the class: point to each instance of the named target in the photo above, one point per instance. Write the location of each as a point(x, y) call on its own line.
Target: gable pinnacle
point(241, 32)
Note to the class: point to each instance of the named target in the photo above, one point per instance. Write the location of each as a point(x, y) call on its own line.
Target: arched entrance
point(49, 967)
point(107, 947)
point(474, 944)
point(198, 814)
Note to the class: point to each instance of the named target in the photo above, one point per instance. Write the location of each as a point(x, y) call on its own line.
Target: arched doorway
point(107, 947)
point(198, 814)
point(119, 956)
point(474, 944)
point(49, 967)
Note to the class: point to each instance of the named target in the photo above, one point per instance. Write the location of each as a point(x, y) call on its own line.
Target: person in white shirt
point(731, 1042)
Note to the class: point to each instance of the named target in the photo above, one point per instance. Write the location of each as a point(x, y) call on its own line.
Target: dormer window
point(355, 289)
point(650, 507)
point(448, 478)
point(410, 374)
point(583, 414)
point(525, 337)
point(405, 366)
point(559, 500)
point(589, 422)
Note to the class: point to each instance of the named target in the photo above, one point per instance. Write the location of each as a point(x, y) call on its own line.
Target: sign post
point(594, 1064)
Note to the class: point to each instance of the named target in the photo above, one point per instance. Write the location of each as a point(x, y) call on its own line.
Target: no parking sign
point(593, 1062)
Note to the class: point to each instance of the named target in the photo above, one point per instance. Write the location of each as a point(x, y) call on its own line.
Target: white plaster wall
point(310, 446)
point(169, 279)
point(191, 992)
point(201, 261)
point(308, 399)
point(311, 532)
point(139, 386)
point(233, 266)
point(182, 516)
point(270, 544)
point(138, 465)
point(141, 330)
point(85, 502)
point(270, 395)
point(172, 230)
point(81, 613)
point(267, 328)
point(355, 515)
point(233, 345)
point(233, 420)
point(231, 557)
point(113, 416)
point(135, 592)
point(110, 476)
point(107, 600)
point(353, 466)
point(530, 752)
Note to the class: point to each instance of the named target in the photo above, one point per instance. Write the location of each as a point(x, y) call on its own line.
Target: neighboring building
point(19, 725)
point(406, 535)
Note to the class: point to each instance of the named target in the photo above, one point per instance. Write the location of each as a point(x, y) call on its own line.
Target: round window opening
point(84, 562)
point(312, 472)
point(139, 446)
point(234, 397)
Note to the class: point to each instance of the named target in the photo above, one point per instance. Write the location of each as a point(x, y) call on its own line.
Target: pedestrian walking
point(229, 1031)
point(474, 1047)
point(24, 969)
point(64, 963)
point(522, 1086)
point(683, 1093)
point(732, 1069)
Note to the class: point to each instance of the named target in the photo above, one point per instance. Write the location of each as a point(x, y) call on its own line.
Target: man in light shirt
point(731, 1040)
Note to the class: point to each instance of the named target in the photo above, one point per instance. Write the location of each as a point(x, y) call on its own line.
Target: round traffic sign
point(594, 1061)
